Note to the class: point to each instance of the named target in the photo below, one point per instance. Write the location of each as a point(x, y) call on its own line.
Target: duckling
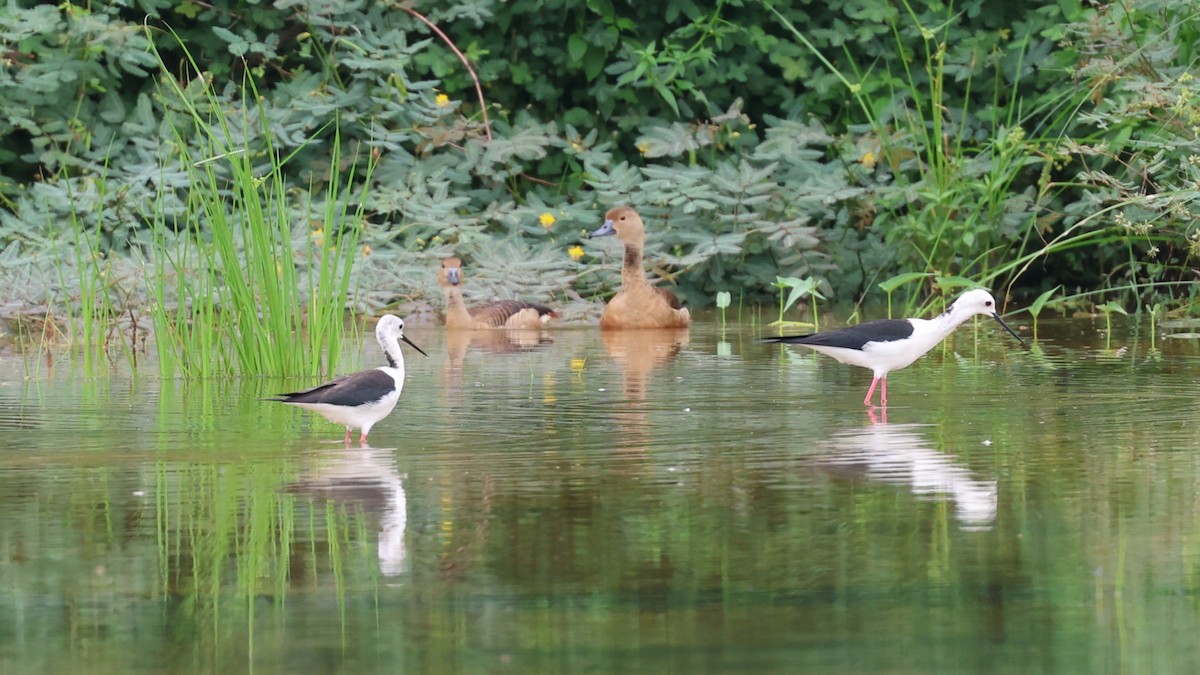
point(637, 304)
point(501, 314)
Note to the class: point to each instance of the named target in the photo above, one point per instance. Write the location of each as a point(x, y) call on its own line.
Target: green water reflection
point(567, 502)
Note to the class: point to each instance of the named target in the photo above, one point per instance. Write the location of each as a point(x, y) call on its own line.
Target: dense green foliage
point(1018, 144)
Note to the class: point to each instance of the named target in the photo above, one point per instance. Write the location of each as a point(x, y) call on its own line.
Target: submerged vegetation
point(240, 185)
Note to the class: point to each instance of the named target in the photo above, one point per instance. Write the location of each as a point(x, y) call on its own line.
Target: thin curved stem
point(487, 127)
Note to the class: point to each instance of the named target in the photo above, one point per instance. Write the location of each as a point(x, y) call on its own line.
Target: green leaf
point(593, 64)
point(1035, 307)
point(576, 47)
point(1112, 306)
point(800, 288)
point(900, 279)
point(950, 283)
point(669, 97)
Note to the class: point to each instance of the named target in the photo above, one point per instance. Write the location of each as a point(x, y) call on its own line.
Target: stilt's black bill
point(1008, 328)
point(410, 344)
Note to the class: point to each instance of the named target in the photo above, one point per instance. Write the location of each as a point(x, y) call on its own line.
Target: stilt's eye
point(988, 303)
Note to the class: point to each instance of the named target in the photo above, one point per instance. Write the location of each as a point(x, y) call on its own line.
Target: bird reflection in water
point(366, 479)
point(900, 454)
point(492, 343)
point(639, 353)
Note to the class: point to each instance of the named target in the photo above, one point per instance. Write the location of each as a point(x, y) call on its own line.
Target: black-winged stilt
point(891, 344)
point(359, 400)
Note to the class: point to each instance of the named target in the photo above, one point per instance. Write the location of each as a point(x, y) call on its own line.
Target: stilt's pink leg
point(883, 391)
point(347, 436)
point(871, 391)
point(362, 440)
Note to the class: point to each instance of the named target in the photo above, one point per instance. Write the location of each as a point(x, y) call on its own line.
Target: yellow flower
point(367, 251)
point(442, 100)
point(318, 237)
point(868, 159)
point(576, 253)
point(547, 220)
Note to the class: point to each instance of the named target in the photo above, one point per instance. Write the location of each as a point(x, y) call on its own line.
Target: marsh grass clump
point(232, 293)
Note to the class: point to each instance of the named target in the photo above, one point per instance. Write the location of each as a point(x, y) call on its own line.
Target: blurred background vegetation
point(1022, 145)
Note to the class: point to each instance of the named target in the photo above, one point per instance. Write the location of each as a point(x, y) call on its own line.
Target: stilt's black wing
point(348, 390)
point(852, 337)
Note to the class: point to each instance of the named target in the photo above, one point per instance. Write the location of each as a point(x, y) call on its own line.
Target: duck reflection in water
point(639, 353)
point(900, 454)
point(365, 479)
point(491, 343)
point(495, 342)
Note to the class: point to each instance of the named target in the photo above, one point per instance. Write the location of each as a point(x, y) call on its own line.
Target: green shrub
point(847, 143)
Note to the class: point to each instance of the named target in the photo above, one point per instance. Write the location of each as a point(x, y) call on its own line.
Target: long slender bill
point(1008, 328)
point(410, 344)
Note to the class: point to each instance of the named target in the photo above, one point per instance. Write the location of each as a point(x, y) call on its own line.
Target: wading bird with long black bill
point(891, 344)
point(360, 400)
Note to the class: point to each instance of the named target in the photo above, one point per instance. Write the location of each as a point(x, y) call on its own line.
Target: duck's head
point(451, 273)
point(624, 222)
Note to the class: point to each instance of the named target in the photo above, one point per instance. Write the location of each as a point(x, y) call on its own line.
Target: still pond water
point(645, 503)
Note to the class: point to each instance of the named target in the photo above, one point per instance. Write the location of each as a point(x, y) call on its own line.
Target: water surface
point(646, 502)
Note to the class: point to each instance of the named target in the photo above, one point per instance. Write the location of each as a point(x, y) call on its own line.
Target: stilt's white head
point(979, 301)
point(390, 329)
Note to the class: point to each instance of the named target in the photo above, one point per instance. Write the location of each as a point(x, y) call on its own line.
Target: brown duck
point(637, 304)
point(502, 314)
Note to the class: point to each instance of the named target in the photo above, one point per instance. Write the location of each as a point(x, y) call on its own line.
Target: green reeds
point(231, 291)
point(95, 329)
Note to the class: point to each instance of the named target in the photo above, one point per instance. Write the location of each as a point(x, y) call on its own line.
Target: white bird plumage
point(362, 399)
point(891, 344)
